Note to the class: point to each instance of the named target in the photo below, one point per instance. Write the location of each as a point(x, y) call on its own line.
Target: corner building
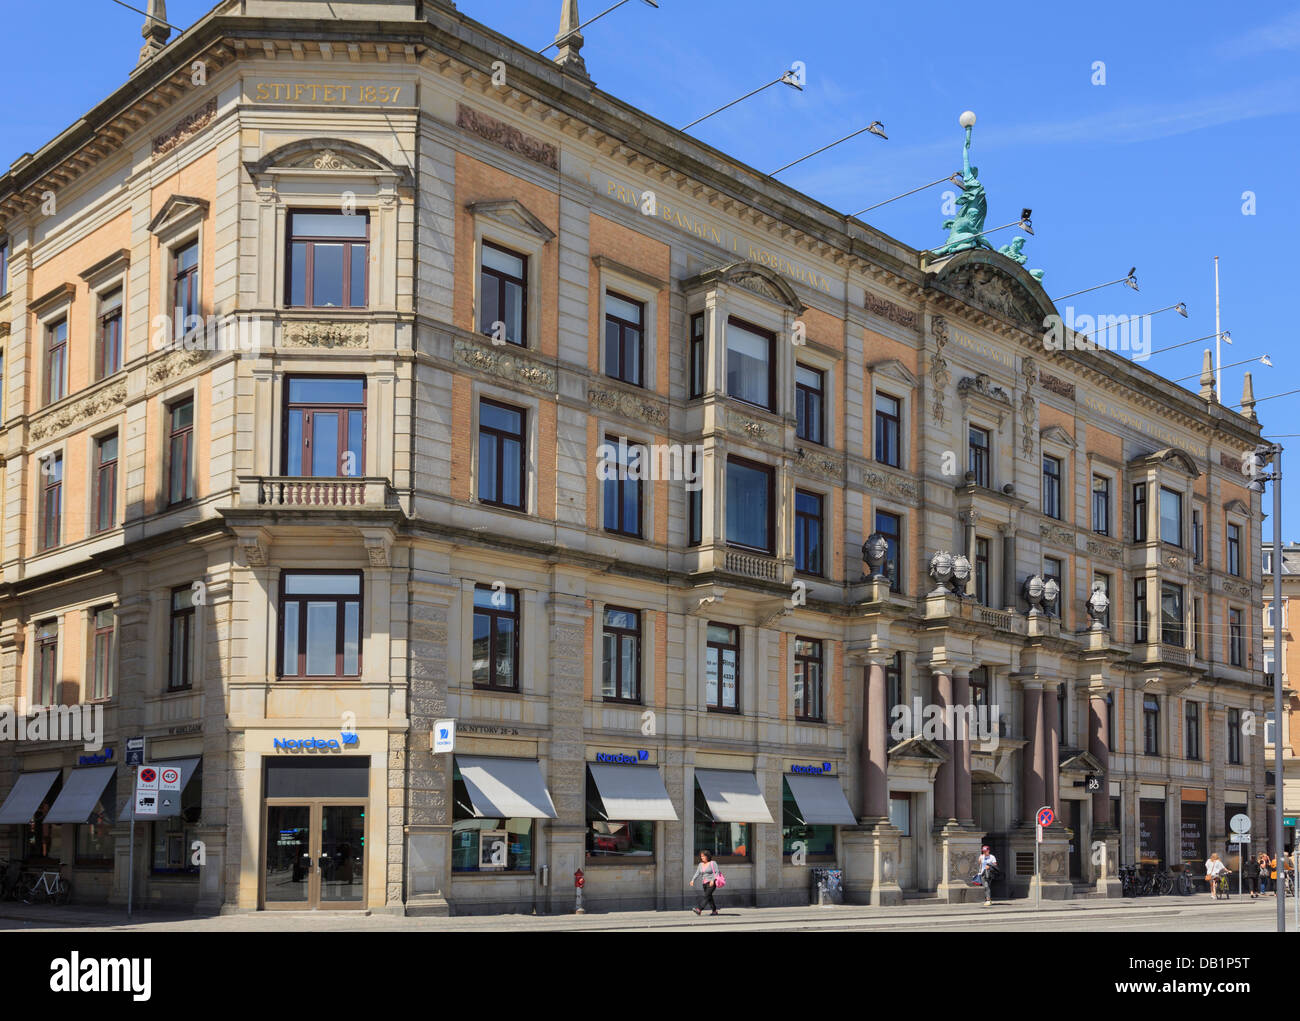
point(362, 493)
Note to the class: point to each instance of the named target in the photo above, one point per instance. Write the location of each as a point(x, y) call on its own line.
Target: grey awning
point(632, 793)
point(169, 802)
point(82, 791)
point(26, 797)
point(821, 801)
point(733, 796)
point(506, 788)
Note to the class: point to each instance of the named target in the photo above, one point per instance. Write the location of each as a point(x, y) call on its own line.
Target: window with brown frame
point(51, 518)
point(47, 663)
point(751, 364)
point(624, 338)
point(807, 532)
point(503, 287)
point(325, 426)
point(180, 647)
point(978, 455)
point(105, 482)
point(108, 342)
point(621, 655)
point(496, 638)
point(104, 624)
point(809, 690)
point(185, 288)
point(722, 668)
point(698, 376)
point(623, 496)
point(320, 624)
point(502, 466)
point(809, 398)
point(889, 430)
point(56, 361)
point(329, 255)
point(750, 504)
point(180, 451)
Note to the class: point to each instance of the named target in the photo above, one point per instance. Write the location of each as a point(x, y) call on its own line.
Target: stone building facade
point(434, 274)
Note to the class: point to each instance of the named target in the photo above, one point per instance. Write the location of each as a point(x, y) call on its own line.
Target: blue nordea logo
point(623, 760)
point(307, 744)
point(825, 767)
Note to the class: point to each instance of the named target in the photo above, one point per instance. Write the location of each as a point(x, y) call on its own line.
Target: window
point(501, 463)
point(325, 427)
point(51, 520)
point(1054, 569)
point(47, 663)
point(4, 266)
point(1140, 620)
point(894, 691)
point(328, 259)
point(623, 487)
point(809, 695)
point(1151, 724)
point(1198, 537)
point(95, 844)
point(982, 571)
point(108, 343)
point(503, 282)
point(56, 361)
point(1270, 728)
point(609, 839)
point(979, 689)
point(809, 406)
point(727, 842)
point(1192, 749)
point(889, 437)
point(750, 376)
point(1171, 516)
point(496, 638)
point(891, 527)
point(695, 499)
point(1051, 486)
point(698, 375)
point(624, 328)
point(1171, 614)
point(749, 504)
point(978, 461)
point(1268, 663)
point(105, 482)
point(185, 288)
point(1113, 734)
point(1198, 618)
point(1140, 512)
point(816, 840)
point(180, 647)
point(320, 624)
point(101, 665)
point(1101, 505)
point(622, 655)
point(1104, 580)
point(468, 830)
point(180, 452)
point(900, 812)
point(1236, 653)
point(722, 668)
point(1234, 737)
point(807, 532)
point(1062, 705)
point(1234, 550)
point(171, 839)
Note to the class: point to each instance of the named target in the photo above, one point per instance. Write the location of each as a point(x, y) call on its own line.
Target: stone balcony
point(333, 494)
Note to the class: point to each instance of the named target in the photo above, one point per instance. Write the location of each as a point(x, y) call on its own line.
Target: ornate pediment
point(1055, 434)
point(990, 282)
point(511, 213)
point(981, 385)
point(1237, 507)
point(176, 210)
point(752, 277)
point(1175, 456)
point(894, 369)
point(325, 156)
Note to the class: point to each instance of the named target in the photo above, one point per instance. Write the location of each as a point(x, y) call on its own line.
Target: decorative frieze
point(1056, 385)
point(507, 136)
point(1063, 536)
point(187, 128)
point(1231, 462)
point(754, 430)
point(1102, 549)
point(886, 309)
point(325, 334)
point(939, 374)
point(627, 405)
point(78, 411)
point(1235, 588)
point(885, 484)
point(821, 464)
point(983, 385)
point(175, 364)
point(506, 366)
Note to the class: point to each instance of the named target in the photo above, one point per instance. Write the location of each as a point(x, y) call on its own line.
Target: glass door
point(289, 857)
point(315, 856)
point(342, 855)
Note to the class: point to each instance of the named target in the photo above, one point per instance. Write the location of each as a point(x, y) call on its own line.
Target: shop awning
point(733, 796)
point(169, 802)
point(26, 797)
point(81, 792)
point(506, 788)
point(821, 801)
point(632, 793)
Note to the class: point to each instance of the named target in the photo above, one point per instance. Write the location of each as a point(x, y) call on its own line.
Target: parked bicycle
point(50, 886)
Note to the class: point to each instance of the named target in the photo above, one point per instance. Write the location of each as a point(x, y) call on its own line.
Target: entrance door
point(315, 856)
point(1076, 840)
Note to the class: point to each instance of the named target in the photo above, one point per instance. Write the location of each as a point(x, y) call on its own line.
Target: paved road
point(1154, 914)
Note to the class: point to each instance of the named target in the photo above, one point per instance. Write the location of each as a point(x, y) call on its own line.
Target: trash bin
point(827, 886)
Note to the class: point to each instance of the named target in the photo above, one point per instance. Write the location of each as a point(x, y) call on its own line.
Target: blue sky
point(1199, 106)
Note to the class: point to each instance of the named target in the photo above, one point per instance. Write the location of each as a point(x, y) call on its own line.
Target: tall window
point(1234, 737)
point(1104, 580)
point(105, 482)
point(807, 532)
point(1236, 651)
point(329, 255)
point(1198, 537)
point(1140, 620)
point(815, 840)
point(749, 504)
point(1053, 568)
point(982, 571)
point(750, 374)
point(47, 663)
point(4, 266)
point(722, 668)
point(809, 394)
point(503, 283)
point(180, 451)
point(698, 374)
point(1234, 549)
point(1101, 504)
point(56, 361)
point(1193, 726)
point(1198, 621)
point(320, 624)
point(979, 687)
point(101, 669)
point(1171, 614)
point(1140, 512)
point(496, 638)
point(695, 499)
point(108, 342)
point(185, 288)
point(888, 430)
point(809, 696)
point(501, 480)
point(325, 427)
point(978, 460)
point(894, 691)
point(891, 527)
point(624, 330)
point(623, 487)
point(1151, 724)
point(180, 649)
point(1171, 516)
point(621, 659)
point(1051, 486)
point(727, 842)
point(51, 521)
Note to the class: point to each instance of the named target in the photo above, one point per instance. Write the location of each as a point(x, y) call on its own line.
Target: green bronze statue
point(972, 205)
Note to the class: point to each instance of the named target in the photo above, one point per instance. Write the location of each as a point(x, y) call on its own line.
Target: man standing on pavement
point(987, 869)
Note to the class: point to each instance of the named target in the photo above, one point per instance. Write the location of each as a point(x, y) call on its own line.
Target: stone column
point(1051, 748)
point(944, 789)
point(1031, 785)
point(875, 742)
point(961, 750)
point(1099, 748)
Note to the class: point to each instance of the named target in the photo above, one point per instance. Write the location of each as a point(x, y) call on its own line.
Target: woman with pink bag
point(710, 877)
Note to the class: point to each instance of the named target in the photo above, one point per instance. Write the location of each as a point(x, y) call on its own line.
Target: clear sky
point(1199, 106)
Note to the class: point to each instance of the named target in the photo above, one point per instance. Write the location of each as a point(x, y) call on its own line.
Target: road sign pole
point(130, 855)
point(1038, 876)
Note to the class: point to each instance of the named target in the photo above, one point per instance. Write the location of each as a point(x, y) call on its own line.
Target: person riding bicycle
point(1213, 870)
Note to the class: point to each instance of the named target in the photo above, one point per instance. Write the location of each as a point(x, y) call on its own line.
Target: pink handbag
point(719, 879)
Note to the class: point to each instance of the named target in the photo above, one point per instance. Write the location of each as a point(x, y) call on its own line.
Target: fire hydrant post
point(578, 881)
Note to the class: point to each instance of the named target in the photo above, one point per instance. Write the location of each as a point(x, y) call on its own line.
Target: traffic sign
point(146, 802)
point(1240, 823)
point(1288, 820)
point(1046, 816)
point(146, 779)
point(1239, 838)
point(169, 778)
point(135, 751)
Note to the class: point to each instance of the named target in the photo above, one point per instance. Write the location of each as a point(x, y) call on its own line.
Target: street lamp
point(955, 178)
point(1254, 465)
point(1128, 281)
point(875, 127)
point(579, 28)
point(1227, 339)
point(1262, 359)
point(787, 78)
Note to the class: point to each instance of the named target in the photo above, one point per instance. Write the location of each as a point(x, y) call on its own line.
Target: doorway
point(1075, 815)
point(315, 855)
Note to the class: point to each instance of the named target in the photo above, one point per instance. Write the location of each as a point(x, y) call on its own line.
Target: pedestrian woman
point(707, 873)
point(1272, 873)
point(1213, 870)
point(1250, 873)
point(1262, 861)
